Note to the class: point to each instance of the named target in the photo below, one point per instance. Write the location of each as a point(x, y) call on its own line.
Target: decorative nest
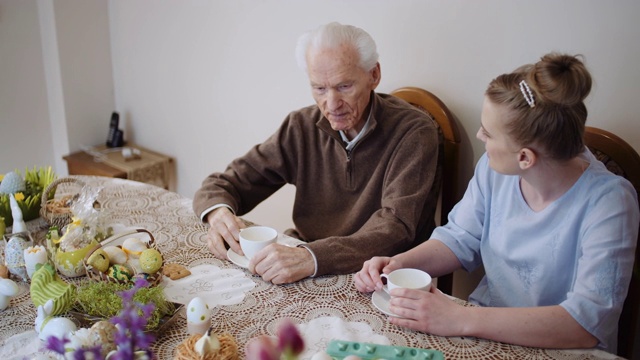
point(165, 323)
point(128, 272)
point(57, 211)
point(228, 349)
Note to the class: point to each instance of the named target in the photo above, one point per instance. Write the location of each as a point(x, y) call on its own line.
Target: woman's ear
point(526, 158)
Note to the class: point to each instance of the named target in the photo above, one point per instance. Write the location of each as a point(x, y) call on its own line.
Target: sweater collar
point(352, 143)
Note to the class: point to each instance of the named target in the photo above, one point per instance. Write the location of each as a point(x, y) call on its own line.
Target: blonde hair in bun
point(554, 127)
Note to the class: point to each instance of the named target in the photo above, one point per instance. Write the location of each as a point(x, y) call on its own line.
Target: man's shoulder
point(395, 111)
point(308, 113)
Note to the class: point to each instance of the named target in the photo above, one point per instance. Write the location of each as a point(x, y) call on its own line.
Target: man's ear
point(526, 158)
point(376, 75)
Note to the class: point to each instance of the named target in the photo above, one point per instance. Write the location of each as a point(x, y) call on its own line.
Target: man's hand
point(224, 227)
point(281, 264)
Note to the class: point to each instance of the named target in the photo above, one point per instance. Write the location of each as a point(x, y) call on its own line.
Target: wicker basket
point(96, 275)
point(57, 211)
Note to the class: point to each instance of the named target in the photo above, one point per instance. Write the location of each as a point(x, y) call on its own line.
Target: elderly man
point(364, 164)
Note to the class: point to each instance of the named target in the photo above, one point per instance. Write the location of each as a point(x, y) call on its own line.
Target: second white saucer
point(237, 259)
point(380, 300)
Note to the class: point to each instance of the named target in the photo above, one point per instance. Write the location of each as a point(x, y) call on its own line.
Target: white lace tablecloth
point(243, 305)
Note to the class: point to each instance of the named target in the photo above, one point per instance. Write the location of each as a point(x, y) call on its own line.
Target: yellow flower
point(19, 196)
point(1, 177)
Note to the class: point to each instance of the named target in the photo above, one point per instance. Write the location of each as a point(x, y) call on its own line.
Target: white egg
point(198, 311)
point(198, 316)
point(134, 247)
point(135, 265)
point(8, 289)
point(116, 255)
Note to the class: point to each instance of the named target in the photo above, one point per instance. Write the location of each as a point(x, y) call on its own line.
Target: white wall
point(203, 81)
point(25, 139)
point(56, 80)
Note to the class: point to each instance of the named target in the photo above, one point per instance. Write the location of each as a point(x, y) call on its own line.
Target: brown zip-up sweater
point(377, 200)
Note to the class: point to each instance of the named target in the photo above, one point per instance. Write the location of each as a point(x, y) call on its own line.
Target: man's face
point(340, 87)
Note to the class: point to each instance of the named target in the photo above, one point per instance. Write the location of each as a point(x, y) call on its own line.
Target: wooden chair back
point(449, 193)
point(621, 159)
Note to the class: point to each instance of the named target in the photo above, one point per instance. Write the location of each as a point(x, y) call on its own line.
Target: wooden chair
point(621, 159)
point(449, 192)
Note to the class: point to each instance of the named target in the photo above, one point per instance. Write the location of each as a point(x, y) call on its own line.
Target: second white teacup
point(255, 238)
point(407, 278)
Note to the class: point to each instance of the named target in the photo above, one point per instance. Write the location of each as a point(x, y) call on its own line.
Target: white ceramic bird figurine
point(207, 344)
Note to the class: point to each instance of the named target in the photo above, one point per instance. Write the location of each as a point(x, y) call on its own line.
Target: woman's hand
point(368, 278)
point(430, 311)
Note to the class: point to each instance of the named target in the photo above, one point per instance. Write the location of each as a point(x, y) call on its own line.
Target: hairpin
point(526, 92)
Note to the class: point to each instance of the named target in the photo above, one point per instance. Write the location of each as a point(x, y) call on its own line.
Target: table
point(151, 167)
point(245, 306)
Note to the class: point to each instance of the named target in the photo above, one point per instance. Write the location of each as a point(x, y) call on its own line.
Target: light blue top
point(578, 252)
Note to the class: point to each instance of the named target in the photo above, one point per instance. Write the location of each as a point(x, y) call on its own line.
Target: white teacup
point(407, 278)
point(255, 238)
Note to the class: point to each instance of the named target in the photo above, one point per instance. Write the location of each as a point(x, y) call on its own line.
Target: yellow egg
point(99, 260)
point(150, 261)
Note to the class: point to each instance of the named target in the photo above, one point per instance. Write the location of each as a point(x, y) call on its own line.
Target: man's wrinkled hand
point(224, 227)
point(281, 264)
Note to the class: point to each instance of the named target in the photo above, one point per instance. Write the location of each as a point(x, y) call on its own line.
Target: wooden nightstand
point(151, 167)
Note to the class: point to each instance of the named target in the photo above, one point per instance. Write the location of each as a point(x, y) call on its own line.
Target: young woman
point(554, 230)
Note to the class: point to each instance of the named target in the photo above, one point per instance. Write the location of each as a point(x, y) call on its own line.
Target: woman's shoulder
point(602, 184)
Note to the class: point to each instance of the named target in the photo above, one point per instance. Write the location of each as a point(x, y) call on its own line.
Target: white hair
point(333, 35)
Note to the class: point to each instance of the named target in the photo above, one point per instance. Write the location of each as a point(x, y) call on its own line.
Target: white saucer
point(380, 300)
point(239, 260)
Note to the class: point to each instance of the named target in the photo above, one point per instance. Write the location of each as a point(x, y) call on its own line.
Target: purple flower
point(56, 344)
point(289, 340)
point(130, 336)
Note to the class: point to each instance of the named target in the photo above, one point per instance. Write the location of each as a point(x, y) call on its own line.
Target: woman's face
point(341, 88)
point(502, 151)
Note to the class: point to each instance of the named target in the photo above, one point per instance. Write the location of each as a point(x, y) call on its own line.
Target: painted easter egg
point(150, 261)
point(198, 316)
point(104, 332)
point(119, 272)
point(14, 256)
point(197, 310)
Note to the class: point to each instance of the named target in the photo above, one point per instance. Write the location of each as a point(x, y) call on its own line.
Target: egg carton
point(339, 349)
